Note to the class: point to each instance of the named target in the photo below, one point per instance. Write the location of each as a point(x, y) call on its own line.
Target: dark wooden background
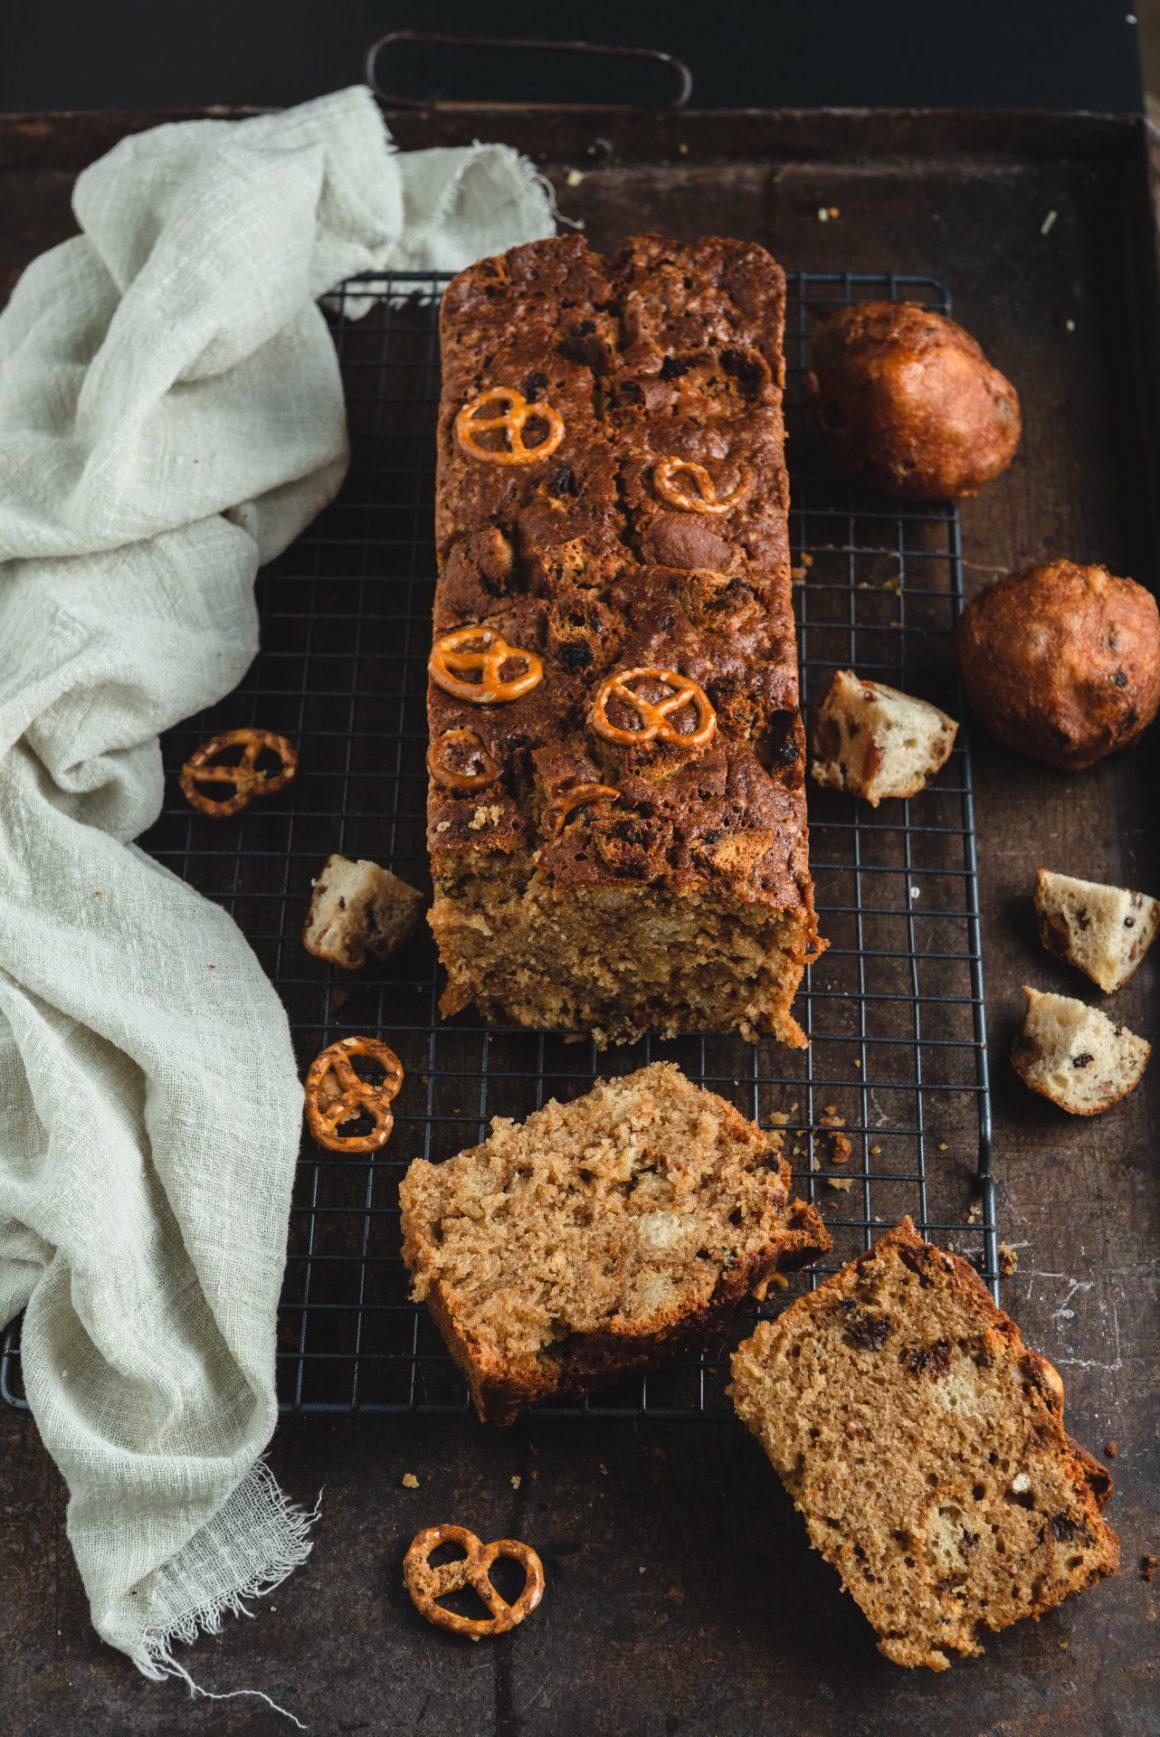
point(682, 1598)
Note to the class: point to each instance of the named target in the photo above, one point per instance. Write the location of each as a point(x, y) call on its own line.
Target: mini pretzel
point(490, 651)
point(427, 1584)
point(514, 420)
point(245, 776)
point(666, 472)
point(473, 752)
point(566, 802)
point(335, 1094)
point(654, 716)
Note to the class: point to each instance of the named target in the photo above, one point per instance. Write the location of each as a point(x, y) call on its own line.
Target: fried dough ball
point(1062, 661)
point(909, 404)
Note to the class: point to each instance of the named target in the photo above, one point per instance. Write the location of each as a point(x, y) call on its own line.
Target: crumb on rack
point(842, 1184)
point(1008, 1260)
point(841, 1147)
point(574, 177)
point(1148, 1566)
point(1048, 224)
point(410, 1481)
point(516, 1480)
point(1111, 1449)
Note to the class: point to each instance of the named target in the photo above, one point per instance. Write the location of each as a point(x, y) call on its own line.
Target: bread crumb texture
point(873, 741)
point(1104, 931)
point(1075, 1055)
point(582, 1244)
point(924, 1445)
point(358, 908)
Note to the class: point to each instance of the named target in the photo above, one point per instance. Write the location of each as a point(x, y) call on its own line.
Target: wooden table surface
point(683, 1598)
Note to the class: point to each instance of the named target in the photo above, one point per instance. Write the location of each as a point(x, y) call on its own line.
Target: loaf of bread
point(1103, 930)
point(358, 908)
point(924, 1445)
point(1075, 1055)
point(597, 1236)
point(617, 818)
point(873, 741)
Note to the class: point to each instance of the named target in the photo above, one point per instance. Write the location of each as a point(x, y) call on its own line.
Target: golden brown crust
point(924, 1445)
point(1062, 661)
point(907, 402)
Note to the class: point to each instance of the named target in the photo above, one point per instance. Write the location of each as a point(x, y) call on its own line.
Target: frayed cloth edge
point(154, 1657)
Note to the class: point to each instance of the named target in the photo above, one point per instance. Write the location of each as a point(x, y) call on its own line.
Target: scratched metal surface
point(682, 1598)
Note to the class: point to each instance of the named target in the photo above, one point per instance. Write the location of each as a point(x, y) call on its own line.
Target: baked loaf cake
point(874, 741)
point(1075, 1055)
point(616, 741)
point(358, 908)
point(1103, 930)
point(588, 1241)
point(925, 1447)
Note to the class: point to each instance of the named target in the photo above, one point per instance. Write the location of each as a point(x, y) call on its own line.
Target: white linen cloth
point(171, 416)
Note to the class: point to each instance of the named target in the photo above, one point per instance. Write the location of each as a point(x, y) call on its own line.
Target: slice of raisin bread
point(1075, 1056)
point(1103, 930)
point(874, 741)
point(359, 908)
point(584, 1243)
point(925, 1447)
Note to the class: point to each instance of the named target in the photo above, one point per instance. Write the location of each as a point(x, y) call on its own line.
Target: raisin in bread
point(359, 908)
point(924, 1445)
point(1103, 930)
point(1075, 1056)
point(874, 741)
point(580, 1245)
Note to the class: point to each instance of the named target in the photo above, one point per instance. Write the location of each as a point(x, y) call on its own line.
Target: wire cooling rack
point(897, 1062)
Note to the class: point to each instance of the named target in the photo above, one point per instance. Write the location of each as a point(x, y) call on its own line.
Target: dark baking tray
point(893, 1009)
point(736, 1628)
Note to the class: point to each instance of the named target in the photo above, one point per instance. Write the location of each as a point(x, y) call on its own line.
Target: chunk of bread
point(1103, 930)
point(359, 908)
point(924, 1445)
point(1075, 1056)
point(583, 1244)
point(872, 741)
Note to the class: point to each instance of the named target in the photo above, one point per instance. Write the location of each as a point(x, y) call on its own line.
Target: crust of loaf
point(934, 1474)
point(598, 1237)
point(699, 862)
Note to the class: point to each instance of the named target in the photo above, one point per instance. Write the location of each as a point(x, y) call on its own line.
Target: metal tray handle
point(607, 50)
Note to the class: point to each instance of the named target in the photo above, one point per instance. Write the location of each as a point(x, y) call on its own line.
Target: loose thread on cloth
point(286, 1528)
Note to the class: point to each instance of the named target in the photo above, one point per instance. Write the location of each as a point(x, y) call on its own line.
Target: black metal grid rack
point(894, 1009)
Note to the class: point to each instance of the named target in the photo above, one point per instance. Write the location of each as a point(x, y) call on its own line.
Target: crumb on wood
point(1008, 1260)
point(410, 1481)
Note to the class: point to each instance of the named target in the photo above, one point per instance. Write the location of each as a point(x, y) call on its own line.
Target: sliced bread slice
point(580, 1245)
point(873, 741)
point(1103, 930)
point(924, 1445)
point(1074, 1055)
